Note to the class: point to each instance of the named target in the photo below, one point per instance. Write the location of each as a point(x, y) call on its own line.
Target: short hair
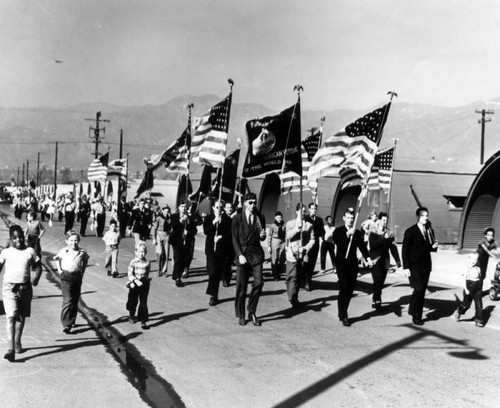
point(488, 230)
point(349, 211)
point(298, 206)
point(250, 196)
point(383, 214)
point(166, 208)
point(141, 245)
point(72, 233)
point(113, 222)
point(14, 228)
point(420, 210)
point(312, 205)
point(328, 217)
point(181, 202)
point(277, 213)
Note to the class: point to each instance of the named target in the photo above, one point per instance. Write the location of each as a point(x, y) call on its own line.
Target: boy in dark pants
point(138, 286)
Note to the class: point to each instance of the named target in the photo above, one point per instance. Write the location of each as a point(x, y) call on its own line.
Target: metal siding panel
point(479, 218)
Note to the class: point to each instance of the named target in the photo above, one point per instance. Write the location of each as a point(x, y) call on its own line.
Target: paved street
point(195, 355)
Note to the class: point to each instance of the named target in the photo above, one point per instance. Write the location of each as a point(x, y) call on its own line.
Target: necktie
point(250, 220)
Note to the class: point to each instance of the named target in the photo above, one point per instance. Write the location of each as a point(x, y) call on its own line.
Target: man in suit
point(382, 244)
point(248, 230)
point(217, 228)
point(182, 227)
point(418, 243)
point(348, 240)
point(319, 233)
point(140, 222)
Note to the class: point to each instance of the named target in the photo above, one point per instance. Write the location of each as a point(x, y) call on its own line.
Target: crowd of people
point(233, 238)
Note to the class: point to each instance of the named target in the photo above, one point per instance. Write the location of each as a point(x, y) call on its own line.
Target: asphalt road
point(195, 355)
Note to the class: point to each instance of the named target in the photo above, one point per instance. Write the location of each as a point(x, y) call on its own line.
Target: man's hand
point(350, 232)
point(34, 281)
point(242, 260)
point(217, 238)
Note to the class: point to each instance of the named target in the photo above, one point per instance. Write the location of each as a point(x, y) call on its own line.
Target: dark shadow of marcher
point(158, 321)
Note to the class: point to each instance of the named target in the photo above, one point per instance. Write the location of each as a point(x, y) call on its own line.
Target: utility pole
point(483, 121)
point(55, 173)
point(18, 177)
point(121, 144)
point(22, 178)
point(27, 171)
point(97, 131)
point(38, 170)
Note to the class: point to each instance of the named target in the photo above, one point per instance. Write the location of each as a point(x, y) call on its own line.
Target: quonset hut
point(444, 193)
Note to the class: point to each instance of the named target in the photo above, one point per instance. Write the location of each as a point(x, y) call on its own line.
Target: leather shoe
point(242, 321)
point(417, 321)
point(225, 284)
point(254, 319)
point(213, 301)
point(345, 322)
point(179, 283)
point(479, 323)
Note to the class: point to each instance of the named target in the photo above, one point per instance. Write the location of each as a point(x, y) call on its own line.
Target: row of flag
point(274, 145)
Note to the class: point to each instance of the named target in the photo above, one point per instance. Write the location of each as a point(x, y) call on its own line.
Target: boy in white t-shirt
point(17, 290)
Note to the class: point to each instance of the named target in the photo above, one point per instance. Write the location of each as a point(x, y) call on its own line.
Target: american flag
point(169, 155)
point(117, 168)
point(350, 153)
point(180, 163)
point(381, 174)
point(98, 169)
point(290, 181)
point(210, 135)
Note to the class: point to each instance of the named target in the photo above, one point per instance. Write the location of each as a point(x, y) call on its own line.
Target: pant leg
point(228, 268)
point(114, 260)
point(347, 275)
point(379, 274)
point(478, 300)
point(143, 312)
point(71, 288)
point(257, 285)
point(292, 280)
point(83, 224)
point(309, 266)
point(323, 255)
point(214, 274)
point(241, 289)
point(419, 280)
point(107, 258)
point(132, 300)
point(179, 261)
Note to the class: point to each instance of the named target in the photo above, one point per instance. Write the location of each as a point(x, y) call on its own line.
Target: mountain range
point(429, 138)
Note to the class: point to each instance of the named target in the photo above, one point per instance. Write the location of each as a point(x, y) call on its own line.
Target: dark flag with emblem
point(274, 144)
point(205, 184)
point(229, 178)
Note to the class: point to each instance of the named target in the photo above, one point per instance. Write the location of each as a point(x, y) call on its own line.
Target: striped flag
point(350, 153)
point(210, 135)
point(98, 169)
point(117, 168)
point(181, 162)
point(381, 174)
point(290, 181)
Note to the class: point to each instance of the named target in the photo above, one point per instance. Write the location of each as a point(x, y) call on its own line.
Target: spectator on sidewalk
point(112, 239)
point(17, 290)
point(71, 264)
point(138, 286)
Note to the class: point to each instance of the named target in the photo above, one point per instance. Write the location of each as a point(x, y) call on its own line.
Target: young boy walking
point(138, 286)
point(112, 239)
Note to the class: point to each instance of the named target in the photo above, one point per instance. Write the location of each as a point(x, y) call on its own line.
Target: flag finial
point(393, 94)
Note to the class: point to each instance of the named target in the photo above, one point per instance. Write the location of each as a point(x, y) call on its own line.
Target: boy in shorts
point(17, 290)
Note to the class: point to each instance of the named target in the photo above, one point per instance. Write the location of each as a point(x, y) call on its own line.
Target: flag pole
point(365, 186)
point(298, 89)
point(189, 107)
point(228, 110)
point(322, 122)
point(389, 207)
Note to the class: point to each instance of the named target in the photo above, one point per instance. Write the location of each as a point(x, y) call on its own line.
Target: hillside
point(430, 137)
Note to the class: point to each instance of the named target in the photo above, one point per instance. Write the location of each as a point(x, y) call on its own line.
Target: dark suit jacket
point(178, 227)
point(318, 228)
point(416, 250)
point(341, 241)
point(224, 229)
point(380, 248)
point(246, 239)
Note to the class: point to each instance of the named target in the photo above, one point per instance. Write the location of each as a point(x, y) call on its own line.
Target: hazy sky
point(346, 54)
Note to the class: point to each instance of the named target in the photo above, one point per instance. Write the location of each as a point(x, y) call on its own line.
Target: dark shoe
point(225, 284)
point(131, 320)
point(242, 321)
point(345, 322)
point(160, 274)
point(144, 326)
point(179, 283)
point(115, 274)
point(296, 304)
point(479, 323)
point(67, 329)
point(10, 355)
point(213, 301)
point(417, 321)
point(253, 318)
point(456, 315)
point(307, 287)
point(377, 306)
point(109, 273)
